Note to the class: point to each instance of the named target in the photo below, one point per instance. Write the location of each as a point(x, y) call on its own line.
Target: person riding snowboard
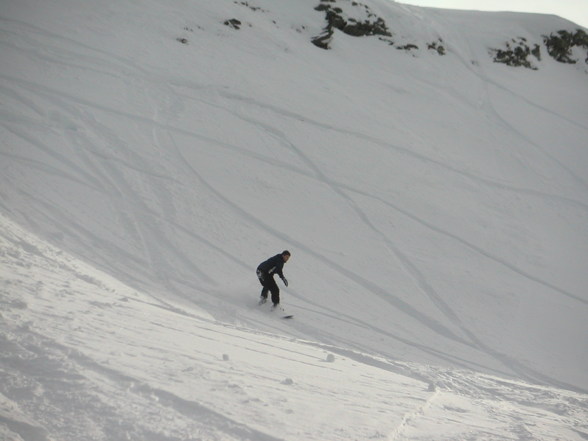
point(265, 274)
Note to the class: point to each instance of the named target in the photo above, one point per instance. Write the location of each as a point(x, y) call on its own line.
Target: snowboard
point(287, 316)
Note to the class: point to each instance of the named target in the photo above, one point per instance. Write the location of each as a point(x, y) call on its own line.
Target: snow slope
point(87, 357)
point(435, 207)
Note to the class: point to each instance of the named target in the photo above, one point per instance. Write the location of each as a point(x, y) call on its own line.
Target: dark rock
point(560, 45)
point(517, 54)
point(233, 23)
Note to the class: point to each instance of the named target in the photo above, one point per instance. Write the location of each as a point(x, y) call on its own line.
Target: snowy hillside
point(86, 357)
point(433, 195)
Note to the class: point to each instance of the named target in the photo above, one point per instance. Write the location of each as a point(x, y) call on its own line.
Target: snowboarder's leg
point(264, 292)
point(263, 280)
point(273, 287)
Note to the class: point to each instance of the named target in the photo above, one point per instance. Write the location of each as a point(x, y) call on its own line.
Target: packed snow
point(435, 204)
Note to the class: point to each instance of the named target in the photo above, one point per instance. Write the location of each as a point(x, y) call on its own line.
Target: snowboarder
point(265, 274)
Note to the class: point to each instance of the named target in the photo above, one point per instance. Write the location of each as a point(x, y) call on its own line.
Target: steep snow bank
point(86, 357)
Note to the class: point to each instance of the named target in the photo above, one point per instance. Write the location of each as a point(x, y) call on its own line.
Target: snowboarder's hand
point(285, 281)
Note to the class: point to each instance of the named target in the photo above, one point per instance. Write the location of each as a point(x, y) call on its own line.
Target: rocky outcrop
point(349, 23)
point(359, 20)
point(517, 53)
point(561, 45)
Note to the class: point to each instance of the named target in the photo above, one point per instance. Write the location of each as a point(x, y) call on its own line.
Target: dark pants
point(269, 285)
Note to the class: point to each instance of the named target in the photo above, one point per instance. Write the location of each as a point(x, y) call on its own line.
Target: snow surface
point(436, 208)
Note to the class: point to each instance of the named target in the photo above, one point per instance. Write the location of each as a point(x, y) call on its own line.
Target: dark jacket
point(273, 265)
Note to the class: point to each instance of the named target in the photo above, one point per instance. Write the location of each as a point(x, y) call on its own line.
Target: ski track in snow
point(412, 153)
point(337, 188)
point(419, 277)
point(410, 417)
point(54, 96)
point(427, 321)
point(121, 187)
